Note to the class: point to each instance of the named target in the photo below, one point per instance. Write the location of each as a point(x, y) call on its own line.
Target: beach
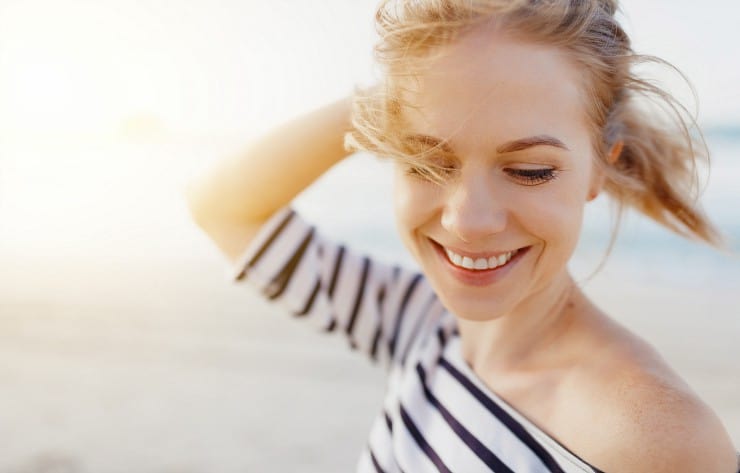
point(190, 376)
point(124, 345)
point(183, 372)
point(126, 348)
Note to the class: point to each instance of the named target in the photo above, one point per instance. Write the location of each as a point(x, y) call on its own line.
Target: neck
point(524, 338)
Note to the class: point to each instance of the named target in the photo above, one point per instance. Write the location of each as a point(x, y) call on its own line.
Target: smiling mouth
point(480, 265)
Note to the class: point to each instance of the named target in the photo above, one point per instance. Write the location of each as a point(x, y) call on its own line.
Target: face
point(511, 123)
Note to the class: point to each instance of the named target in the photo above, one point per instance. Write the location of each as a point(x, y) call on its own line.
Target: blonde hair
point(656, 171)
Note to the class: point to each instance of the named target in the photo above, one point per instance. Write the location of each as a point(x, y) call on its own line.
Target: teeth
point(480, 263)
point(455, 258)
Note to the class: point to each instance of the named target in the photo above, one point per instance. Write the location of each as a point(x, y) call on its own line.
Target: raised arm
point(243, 205)
point(234, 198)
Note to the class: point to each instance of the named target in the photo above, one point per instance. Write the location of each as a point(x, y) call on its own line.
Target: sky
point(214, 66)
point(204, 78)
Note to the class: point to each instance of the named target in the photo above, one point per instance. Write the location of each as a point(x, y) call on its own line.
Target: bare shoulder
point(643, 417)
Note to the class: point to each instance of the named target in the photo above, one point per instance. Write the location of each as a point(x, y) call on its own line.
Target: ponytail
point(657, 170)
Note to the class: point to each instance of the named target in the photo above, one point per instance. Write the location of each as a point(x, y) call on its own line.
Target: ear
point(598, 180)
point(615, 152)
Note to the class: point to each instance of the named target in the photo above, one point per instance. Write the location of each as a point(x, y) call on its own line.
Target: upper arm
point(379, 307)
point(656, 428)
point(232, 238)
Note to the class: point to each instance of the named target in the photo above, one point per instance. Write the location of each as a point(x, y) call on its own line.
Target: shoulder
point(644, 418)
point(657, 427)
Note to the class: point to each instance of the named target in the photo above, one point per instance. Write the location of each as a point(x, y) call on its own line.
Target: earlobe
point(596, 186)
point(594, 194)
point(612, 158)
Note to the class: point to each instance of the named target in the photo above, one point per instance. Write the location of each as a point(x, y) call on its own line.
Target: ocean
point(126, 348)
point(644, 250)
point(80, 203)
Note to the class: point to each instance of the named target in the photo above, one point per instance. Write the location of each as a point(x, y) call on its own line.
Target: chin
point(479, 310)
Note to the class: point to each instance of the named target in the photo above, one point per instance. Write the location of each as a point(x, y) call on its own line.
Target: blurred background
point(124, 347)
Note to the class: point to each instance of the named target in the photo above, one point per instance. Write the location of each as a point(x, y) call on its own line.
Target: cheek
point(414, 202)
point(556, 214)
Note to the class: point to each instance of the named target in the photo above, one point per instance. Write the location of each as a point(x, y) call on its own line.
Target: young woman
point(504, 118)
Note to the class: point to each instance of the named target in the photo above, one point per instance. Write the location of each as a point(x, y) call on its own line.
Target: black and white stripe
point(437, 416)
point(379, 308)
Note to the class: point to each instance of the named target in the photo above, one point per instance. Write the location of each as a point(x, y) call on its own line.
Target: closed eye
point(532, 177)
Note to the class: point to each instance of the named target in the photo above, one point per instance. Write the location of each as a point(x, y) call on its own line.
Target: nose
point(473, 212)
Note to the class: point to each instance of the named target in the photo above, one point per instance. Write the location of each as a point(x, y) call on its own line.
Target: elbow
point(196, 204)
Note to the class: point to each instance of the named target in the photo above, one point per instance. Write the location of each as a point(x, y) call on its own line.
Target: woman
point(504, 118)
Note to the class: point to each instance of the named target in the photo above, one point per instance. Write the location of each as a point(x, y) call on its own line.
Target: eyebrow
point(524, 143)
point(508, 147)
point(430, 141)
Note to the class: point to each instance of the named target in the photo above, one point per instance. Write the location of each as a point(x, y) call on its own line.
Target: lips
point(481, 276)
point(479, 264)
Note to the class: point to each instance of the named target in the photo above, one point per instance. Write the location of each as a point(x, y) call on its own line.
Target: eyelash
point(533, 177)
point(530, 177)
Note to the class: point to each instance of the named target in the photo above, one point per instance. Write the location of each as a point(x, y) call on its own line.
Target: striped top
point(437, 415)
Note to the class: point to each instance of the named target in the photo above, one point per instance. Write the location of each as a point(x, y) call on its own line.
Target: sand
point(174, 370)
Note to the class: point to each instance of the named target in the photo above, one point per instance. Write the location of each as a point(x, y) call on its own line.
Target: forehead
point(487, 88)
